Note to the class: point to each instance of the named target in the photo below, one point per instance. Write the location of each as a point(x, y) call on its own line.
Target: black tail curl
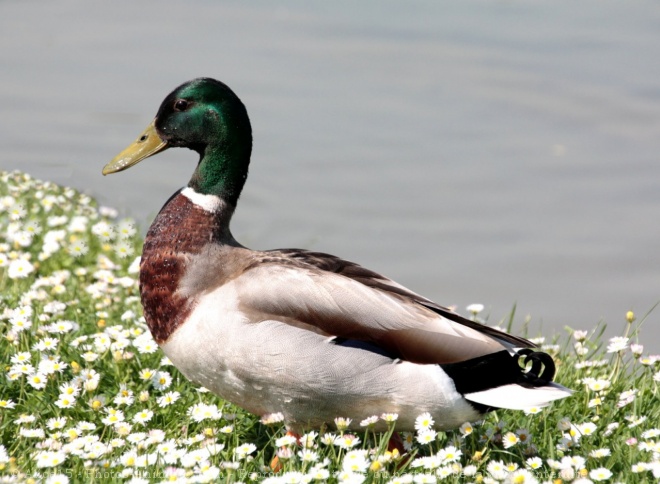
point(502, 368)
point(542, 370)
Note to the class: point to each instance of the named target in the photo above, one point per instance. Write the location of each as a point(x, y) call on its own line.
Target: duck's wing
point(337, 265)
point(331, 296)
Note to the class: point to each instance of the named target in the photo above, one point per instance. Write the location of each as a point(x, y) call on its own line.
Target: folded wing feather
point(325, 294)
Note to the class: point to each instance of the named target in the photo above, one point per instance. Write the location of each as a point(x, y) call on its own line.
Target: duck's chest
point(177, 237)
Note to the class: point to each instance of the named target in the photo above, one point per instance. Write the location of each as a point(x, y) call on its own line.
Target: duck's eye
point(180, 105)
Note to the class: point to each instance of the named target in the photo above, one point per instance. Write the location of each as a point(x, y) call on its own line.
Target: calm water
point(493, 152)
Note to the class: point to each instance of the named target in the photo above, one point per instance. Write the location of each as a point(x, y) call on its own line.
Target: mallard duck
point(301, 333)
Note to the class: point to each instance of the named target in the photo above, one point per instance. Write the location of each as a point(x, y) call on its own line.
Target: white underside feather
point(516, 397)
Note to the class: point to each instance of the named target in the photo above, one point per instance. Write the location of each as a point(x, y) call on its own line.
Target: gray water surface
point(493, 152)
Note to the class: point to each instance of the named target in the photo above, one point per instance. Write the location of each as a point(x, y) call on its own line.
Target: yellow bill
point(148, 143)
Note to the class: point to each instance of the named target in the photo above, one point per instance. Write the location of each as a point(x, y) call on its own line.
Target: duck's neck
point(223, 165)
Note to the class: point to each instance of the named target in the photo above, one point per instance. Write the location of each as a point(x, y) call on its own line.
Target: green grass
point(84, 390)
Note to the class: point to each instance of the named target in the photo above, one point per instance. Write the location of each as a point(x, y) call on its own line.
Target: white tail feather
point(517, 397)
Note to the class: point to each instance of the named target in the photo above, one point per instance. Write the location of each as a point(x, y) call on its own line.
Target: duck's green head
point(207, 117)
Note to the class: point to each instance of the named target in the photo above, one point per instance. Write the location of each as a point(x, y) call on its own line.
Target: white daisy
point(424, 422)
point(426, 436)
point(600, 474)
point(168, 399)
point(244, 450)
point(19, 269)
point(143, 416)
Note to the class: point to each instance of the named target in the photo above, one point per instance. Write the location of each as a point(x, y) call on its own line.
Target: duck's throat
point(185, 225)
point(222, 170)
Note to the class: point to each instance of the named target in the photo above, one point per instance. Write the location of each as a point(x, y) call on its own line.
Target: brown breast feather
point(180, 231)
